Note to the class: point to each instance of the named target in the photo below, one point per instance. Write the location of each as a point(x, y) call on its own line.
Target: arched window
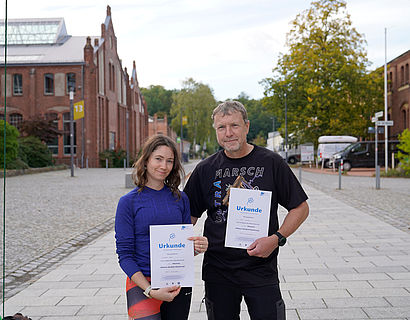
point(391, 81)
point(404, 118)
point(16, 119)
point(407, 73)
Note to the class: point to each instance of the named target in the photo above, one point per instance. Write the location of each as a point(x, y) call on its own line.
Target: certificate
point(172, 255)
point(248, 217)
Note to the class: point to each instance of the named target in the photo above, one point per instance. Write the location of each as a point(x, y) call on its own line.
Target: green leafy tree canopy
point(324, 76)
point(158, 99)
point(12, 145)
point(195, 101)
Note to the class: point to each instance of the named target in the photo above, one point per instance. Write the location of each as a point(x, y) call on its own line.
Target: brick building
point(398, 97)
point(159, 125)
point(44, 63)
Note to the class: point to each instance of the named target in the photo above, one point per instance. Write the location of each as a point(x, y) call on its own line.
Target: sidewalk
point(341, 264)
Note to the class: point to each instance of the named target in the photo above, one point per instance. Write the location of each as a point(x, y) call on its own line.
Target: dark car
point(362, 154)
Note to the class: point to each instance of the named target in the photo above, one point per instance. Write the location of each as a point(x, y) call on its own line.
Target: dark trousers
point(177, 309)
point(224, 302)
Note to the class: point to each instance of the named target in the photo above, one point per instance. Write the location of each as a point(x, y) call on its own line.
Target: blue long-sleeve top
point(136, 211)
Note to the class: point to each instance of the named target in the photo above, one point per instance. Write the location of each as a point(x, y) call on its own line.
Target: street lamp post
point(72, 132)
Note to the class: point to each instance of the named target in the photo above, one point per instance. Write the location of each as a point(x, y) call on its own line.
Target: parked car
point(329, 145)
point(362, 154)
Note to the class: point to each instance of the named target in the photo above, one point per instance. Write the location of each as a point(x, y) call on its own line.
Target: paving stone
point(346, 313)
point(355, 302)
point(384, 313)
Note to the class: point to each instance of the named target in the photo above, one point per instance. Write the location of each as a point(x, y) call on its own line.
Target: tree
point(11, 142)
point(195, 101)
point(38, 126)
point(158, 99)
point(324, 76)
point(260, 117)
point(404, 151)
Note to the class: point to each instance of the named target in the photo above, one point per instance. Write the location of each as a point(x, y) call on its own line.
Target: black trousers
point(224, 302)
point(177, 309)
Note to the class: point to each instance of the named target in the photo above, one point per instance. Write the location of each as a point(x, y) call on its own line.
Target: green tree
point(158, 99)
point(196, 101)
point(404, 153)
point(324, 76)
point(11, 143)
point(260, 116)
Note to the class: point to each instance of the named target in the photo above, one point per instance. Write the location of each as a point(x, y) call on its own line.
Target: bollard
point(86, 163)
point(392, 160)
point(300, 174)
point(377, 177)
point(125, 164)
point(340, 177)
point(106, 163)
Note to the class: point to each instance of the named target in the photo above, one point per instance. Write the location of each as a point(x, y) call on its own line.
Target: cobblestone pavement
point(49, 215)
point(391, 203)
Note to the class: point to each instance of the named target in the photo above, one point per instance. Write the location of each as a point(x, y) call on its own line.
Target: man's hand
point(165, 294)
point(263, 247)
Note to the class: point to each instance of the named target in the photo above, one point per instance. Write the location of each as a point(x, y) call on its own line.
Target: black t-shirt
point(206, 188)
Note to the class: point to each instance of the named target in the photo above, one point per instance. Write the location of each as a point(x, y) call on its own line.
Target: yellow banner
point(184, 120)
point(79, 110)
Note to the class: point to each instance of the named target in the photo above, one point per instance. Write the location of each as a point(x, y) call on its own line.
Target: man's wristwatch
point(147, 292)
point(281, 239)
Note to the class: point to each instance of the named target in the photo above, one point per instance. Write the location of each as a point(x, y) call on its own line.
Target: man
point(231, 273)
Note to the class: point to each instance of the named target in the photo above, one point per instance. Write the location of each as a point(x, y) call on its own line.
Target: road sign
point(384, 123)
point(374, 119)
point(378, 114)
point(79, 110)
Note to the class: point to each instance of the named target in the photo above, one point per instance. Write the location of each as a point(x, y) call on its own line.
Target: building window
point(70, 82)
point(404, 118)
point(402, 75)
point(16, 119)
point(17, 84)
point(49, 83)
point(391, 81)
point(53, 145)
point(1, 116)
point(407, 73)
point(66, 137)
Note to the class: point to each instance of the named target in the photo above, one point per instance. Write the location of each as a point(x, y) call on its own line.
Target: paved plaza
point(345, 262)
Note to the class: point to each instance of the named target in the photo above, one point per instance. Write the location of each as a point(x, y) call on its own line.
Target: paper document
point(248, 217)
point(172, 255)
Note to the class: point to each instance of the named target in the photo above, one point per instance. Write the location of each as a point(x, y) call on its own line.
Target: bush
point(115, 158)
point(404, 151)
point(11, 143)
point(35, 153)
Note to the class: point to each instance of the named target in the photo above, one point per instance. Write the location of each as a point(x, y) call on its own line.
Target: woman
point(155, 201)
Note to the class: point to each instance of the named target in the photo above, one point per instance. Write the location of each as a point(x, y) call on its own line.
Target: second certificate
point(248, 217)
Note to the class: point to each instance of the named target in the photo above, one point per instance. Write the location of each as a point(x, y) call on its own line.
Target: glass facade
point(33, 31)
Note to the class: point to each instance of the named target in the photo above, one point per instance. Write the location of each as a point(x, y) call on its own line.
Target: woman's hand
point(165, 294)
point(200, 244)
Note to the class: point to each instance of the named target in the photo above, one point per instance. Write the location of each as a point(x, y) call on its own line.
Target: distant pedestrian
point(155, 201)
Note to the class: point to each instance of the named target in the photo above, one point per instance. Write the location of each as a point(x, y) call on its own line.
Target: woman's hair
point(139, 174)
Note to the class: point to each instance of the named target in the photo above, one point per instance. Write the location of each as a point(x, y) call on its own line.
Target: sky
point(230, 45)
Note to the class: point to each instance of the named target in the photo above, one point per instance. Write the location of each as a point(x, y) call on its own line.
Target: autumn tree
point(41, 127)
point(324, 76)
point(195, 101)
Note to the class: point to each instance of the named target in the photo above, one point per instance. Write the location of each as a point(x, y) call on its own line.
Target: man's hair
point(139, 173)
point(228, 107)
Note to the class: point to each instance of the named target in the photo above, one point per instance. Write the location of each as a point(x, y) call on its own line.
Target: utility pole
point(386, 150)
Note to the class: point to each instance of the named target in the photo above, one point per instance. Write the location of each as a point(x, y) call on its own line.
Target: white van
point(329, 145)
